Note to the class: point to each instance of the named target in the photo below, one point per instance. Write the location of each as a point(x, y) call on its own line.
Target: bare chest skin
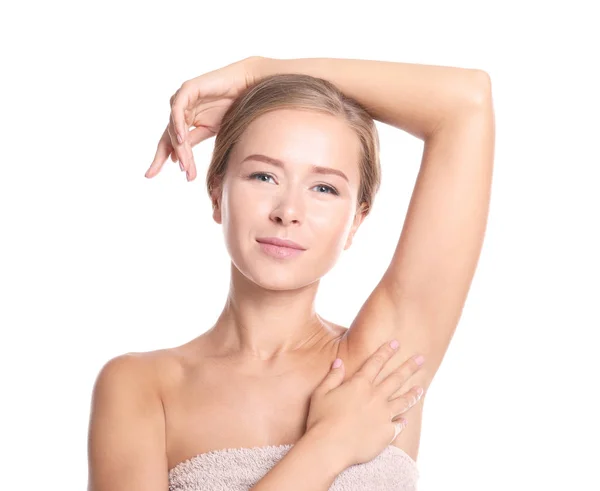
point(214, 402)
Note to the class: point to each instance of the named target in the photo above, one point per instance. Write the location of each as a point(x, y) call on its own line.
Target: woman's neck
point(262, 324)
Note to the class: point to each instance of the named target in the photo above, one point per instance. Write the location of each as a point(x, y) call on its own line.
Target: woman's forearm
point(311, 463)
point(411, 97)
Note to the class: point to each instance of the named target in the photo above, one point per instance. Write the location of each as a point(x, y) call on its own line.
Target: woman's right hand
point(201, 102)
point(357, 415)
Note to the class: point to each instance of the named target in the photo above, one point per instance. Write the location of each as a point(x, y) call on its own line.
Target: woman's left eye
point(329, 188)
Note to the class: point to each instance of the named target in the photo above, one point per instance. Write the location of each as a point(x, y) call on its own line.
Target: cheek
point(236, 209)
point(330, 226)
point(244, 214)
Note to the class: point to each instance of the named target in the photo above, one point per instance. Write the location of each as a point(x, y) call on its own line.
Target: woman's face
point(293, 200)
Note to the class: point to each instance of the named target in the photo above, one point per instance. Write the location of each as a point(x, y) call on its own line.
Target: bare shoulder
point(126, 439)
point(124, 372)
point(160, 365)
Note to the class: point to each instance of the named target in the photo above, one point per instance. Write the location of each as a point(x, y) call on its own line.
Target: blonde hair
point(303, 92)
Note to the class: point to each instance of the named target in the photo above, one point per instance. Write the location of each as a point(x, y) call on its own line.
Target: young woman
point(293, 175)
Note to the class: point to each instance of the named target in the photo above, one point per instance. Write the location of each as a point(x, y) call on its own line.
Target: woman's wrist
point(328, 449)
point(312, 463)
point(256, 69)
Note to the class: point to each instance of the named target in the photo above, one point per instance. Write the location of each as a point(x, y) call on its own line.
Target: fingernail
point(179, 139)
point(187, 176)
point(394, 344)
point(337, 363)
point(420, 391)
point(419, 360)
point(181, 166)
point(404, 422)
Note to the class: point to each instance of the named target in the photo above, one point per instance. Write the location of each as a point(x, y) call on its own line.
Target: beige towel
point(239, 469)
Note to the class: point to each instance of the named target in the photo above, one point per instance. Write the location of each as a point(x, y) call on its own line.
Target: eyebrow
point(315, 168)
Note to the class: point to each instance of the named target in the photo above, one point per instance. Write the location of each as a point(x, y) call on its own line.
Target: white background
point(96, 260)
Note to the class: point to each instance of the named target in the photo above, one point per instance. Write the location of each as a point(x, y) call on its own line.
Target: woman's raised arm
point(421, 295)
point(411, 97)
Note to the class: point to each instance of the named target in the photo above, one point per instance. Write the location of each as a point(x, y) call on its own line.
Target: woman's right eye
point(260, 174)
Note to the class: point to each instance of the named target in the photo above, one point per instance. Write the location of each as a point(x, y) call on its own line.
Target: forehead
point(303, 138)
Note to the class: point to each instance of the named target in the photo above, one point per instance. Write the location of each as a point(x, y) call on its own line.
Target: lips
point(280, 242)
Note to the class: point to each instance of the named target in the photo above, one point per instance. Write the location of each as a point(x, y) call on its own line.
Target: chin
point(280, 275)
point(278, 279)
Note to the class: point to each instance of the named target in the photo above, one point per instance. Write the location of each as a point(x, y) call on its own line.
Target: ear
point(360, 215)
point(216, 204)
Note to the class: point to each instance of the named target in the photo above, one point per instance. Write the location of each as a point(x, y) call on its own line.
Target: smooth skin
point(356, 414)
point(348, 424)
point(150, 411)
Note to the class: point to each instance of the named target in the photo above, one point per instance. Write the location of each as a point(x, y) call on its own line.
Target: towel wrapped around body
point(239, 469)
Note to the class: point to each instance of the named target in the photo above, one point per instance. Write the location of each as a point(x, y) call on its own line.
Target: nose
point(288, 208)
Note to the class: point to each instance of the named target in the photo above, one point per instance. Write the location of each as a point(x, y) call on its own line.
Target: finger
point(175, 159)
point(173, 97)
point(180, 151)
point(163, 150)
point(398, 428)
point(334, 378)
point(179, 103)
point(183, 151)
point(398, 377)
point(403, 403)
point(376, 362)
point(199, 134)
point(191, 171)
point(194, 137)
